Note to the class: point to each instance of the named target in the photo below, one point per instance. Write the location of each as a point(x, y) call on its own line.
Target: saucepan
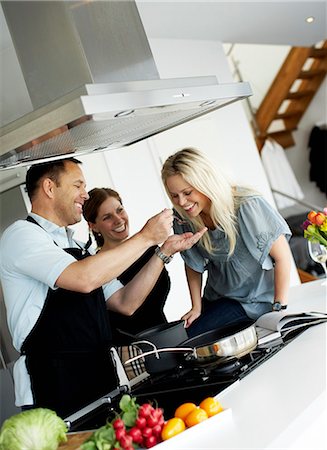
point(230, 341)
point(161, 336)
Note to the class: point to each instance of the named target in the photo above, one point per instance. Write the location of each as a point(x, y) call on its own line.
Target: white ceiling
point(257, 22)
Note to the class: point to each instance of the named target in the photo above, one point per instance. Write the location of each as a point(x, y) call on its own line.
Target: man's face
point(70, 195)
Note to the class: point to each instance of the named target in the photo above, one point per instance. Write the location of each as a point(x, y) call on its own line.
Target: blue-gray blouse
point(247, 275)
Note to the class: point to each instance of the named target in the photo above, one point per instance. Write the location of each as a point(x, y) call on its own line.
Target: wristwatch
point(277, 306)
point(166, 259)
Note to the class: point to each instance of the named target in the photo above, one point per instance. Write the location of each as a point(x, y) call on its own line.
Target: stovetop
point(189, 382)
point(193, 382)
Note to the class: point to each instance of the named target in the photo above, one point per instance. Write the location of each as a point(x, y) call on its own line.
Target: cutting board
point(75, 440)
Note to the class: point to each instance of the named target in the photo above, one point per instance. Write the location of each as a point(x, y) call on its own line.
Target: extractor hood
point(93, 82)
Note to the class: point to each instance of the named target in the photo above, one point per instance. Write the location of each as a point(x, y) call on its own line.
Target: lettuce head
point(34, 429)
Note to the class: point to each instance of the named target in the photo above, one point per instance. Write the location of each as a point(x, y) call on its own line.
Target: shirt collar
point(54, 229)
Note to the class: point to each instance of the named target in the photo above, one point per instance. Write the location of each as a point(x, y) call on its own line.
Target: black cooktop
point(189, 382)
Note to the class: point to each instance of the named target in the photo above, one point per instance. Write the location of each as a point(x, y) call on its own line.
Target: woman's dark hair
point(92, 205)
point(52, 170)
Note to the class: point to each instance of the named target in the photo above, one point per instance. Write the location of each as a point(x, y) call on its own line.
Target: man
point(56, 293)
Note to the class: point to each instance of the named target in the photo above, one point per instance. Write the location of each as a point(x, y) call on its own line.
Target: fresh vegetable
point(211, 406)
point(172, 427)
point(183, 410)
point(35, 429)
point(196, 416)
point(136, 426)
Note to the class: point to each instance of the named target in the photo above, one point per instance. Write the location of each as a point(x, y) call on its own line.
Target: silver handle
point(106, 399)
point(162, 350)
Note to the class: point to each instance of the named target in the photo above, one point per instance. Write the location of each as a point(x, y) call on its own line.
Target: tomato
point(196, 416)
point(183, 410)
point(211, 406)
point(172, 427)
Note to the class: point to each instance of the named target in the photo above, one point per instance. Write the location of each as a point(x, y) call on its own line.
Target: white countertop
point(282, 403)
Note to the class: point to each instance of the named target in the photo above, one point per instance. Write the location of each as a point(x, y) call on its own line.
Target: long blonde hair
point(198, 172)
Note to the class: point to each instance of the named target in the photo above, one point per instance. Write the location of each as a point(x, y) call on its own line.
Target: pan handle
point(125, 333)
point(162, 350)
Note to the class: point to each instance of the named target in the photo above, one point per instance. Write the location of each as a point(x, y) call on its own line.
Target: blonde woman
point(245, 251)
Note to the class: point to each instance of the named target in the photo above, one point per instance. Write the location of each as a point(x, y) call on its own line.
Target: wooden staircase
point(290, 94)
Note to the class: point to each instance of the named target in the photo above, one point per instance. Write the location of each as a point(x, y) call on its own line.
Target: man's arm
point(128, 299)
point(94, 271)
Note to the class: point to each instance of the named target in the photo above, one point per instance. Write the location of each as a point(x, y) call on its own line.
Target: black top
point(150, 313)
point(318, 157)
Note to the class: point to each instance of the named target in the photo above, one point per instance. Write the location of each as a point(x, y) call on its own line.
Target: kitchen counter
point(282, 403)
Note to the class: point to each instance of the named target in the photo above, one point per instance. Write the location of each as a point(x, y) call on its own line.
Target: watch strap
point(166, 259)
point(278, 306)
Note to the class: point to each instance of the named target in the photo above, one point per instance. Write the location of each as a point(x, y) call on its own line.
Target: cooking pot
point(234, 340)
point(161, 336)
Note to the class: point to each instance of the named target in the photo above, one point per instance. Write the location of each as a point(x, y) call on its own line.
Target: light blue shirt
point(30, 264)
point(247, 275)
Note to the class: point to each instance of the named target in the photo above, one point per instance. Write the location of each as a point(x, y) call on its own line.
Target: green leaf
point(129, 418)
point(125, 402)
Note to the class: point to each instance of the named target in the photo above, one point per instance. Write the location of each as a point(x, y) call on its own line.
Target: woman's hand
point(191, 316)
point(180, 242)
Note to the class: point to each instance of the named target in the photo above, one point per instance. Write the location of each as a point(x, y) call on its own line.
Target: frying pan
point(234, 340)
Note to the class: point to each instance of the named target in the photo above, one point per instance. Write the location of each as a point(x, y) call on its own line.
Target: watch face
point(276, 306)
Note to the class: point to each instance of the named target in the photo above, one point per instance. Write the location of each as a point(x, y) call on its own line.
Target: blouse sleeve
point(192, 257)
point(260, 225)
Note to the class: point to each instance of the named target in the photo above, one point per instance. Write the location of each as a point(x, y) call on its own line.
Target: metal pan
point(235, 340)
point(161, 336)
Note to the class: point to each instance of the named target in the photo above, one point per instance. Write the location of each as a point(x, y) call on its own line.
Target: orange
point(211, 406)
point(196, 416)
point(183, 410)
point(172, 427)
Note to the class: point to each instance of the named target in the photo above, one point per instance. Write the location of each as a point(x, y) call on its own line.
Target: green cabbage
point(34, 429)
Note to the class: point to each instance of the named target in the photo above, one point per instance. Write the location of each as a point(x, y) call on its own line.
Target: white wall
point(298, 155)
point(260, 64)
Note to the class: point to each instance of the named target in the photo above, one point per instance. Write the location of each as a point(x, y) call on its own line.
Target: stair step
point(300, 94)
point(287, 114)
point(284, 138)
point(305, 74)
point(318, 53)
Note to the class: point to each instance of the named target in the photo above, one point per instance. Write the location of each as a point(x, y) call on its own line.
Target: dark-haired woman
point(109, 223)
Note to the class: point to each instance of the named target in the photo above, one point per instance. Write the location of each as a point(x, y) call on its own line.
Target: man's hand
point(158, 228)
point(180, 242)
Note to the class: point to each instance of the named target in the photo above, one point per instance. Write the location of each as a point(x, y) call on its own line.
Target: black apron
point(67, 351)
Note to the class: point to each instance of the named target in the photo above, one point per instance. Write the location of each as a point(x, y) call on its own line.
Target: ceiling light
point(310, 19)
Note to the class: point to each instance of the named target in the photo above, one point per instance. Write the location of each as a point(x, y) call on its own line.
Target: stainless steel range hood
point(93, 82)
